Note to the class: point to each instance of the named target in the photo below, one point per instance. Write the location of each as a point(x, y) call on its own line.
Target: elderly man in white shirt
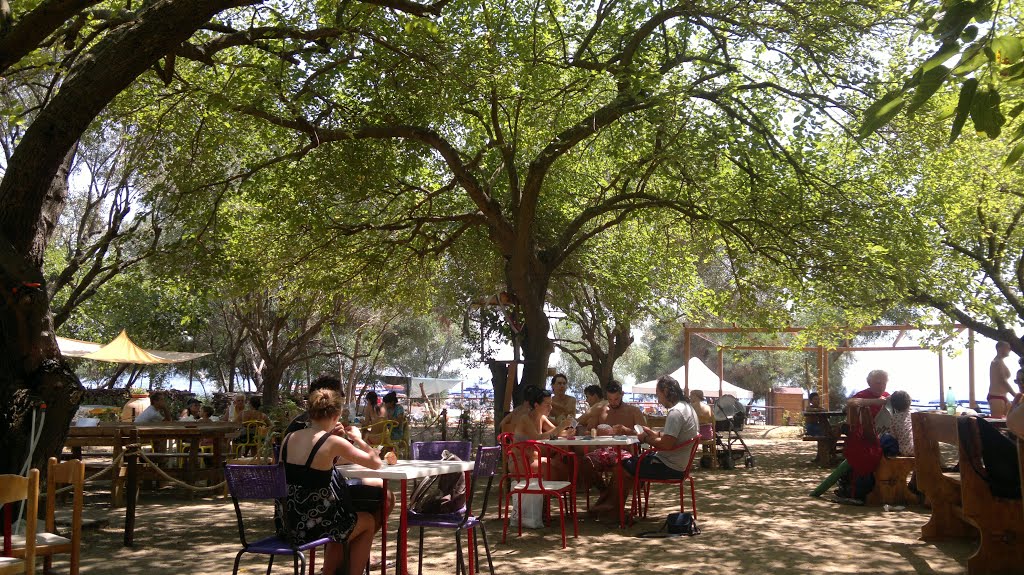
point(157, 412)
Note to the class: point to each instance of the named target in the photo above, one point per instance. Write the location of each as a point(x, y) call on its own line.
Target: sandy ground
point(758, 520)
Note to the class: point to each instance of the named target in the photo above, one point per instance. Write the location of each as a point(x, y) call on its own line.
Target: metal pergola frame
point(822, 351)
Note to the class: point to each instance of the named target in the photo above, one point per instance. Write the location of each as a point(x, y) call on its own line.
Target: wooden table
point(616, 441)
point(829, 437)
point(121, 435)
point(403, 471)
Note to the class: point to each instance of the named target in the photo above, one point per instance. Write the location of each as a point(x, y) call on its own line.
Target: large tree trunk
point(33, 371)
point(530, 287)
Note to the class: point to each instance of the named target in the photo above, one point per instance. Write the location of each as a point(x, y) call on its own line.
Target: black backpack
point(999, 454)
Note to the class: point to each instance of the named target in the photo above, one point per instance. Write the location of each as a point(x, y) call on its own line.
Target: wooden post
point(721, 371)
point(686, 360)
point(132, 487)
point(824, 378)
point(942, 383)
point(970, 364)
point(821, 381)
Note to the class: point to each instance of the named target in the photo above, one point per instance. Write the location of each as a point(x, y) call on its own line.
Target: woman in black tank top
point(314, 508)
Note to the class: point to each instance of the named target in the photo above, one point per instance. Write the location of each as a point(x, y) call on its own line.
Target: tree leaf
point(972, 59)
point(930, 83)
point(1015, 155)
point(1008, 49)
point(945, 52)
point(879, 113)
point(963, 107)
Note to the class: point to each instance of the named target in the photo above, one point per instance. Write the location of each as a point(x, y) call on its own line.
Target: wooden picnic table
point(828, 436)
point(122, 435)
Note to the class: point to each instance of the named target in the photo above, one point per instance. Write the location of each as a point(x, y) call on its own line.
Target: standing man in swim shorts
point(999, 382)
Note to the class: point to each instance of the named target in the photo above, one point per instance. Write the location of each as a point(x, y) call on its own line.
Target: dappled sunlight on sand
point(758, 520)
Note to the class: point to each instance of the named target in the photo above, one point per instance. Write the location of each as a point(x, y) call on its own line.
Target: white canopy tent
point(415, 387)
point(701, 378)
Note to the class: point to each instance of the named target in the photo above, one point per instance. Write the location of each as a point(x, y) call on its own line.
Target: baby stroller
point(730, 415)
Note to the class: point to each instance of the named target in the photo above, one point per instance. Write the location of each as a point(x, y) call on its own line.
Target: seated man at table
point(619, 418)
point(681, 425)
point(324, 381)
point(157, 412)
point(595, 406)
point(814, 425)
point(511, 420)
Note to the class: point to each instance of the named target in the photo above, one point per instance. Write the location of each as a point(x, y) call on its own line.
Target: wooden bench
point(999, 520)
point(891, 482)
point(962, 503)
point(831, 441)
point(941, 488)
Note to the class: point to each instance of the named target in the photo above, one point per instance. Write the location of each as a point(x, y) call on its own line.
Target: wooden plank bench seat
point(891, 479)
point(941, 488)
point(999, 520)
point(962, 503)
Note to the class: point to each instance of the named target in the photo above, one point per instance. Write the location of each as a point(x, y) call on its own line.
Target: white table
point(403, 471)
point(616, 441)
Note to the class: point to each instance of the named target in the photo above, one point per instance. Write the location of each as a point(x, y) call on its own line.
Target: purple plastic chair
point(487, 459)
point(431, 450)
point(266, 482)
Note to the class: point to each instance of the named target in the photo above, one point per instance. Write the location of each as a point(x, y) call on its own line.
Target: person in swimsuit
point(999, 382)
point(314, 508)
point(704, 415)
point(536, 425)
point(563, 407)
point(596, 403)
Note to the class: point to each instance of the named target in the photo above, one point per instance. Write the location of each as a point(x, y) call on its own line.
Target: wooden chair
point(48, 543)
point(14, 488)
point(941, 488)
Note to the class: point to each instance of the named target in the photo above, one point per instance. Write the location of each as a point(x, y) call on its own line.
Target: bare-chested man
point(615, 418)
point(563, 406)
point(999, 382)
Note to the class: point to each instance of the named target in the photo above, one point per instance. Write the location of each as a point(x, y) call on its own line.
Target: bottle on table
point(950, 401)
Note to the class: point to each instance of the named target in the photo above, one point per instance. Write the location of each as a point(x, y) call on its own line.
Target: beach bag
point(675, 525)
point(440, 493)
point(532, 511)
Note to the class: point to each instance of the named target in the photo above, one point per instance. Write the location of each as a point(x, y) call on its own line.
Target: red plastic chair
point(527, 481)
point(505, 441)
point(692, 445)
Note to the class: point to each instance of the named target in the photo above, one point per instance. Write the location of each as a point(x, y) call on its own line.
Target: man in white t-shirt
point(157, 412)
point(681, 426)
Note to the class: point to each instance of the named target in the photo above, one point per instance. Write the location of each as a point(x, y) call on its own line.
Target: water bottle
point(950, 401)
